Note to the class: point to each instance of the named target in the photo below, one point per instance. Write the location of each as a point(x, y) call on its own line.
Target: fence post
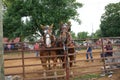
point(103, 52)
point(23, 64)
point(1, 45)
point(66, 61)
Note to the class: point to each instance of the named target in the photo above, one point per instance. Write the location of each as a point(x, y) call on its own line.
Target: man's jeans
point(89, 54)
point(36, 53)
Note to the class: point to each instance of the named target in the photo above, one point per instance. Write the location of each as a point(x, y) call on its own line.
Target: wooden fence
point(80, 67)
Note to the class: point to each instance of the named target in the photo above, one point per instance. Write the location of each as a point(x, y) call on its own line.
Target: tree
point(73, 35)
point(97, 34)
point(110, 20)
point(7, 3)
point(82, 35)
point(1, 45)
point(43, 12)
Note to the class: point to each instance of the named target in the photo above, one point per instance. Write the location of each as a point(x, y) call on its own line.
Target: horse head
point(64, 34)
point(48, 37)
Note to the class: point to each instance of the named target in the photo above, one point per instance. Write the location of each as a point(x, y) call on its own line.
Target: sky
point(90, 15)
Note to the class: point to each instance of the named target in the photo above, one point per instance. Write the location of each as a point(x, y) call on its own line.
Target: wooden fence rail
point(67, 69)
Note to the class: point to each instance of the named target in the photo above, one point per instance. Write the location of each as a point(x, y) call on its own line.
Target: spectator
point(5, 47)
point(89, 52)
point(9, 46)
point(36, 48)
point(12, 45)
point(108, 54)
point(109, 47)
point(25, 46)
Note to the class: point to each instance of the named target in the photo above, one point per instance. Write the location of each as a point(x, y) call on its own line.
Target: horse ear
point(42, 26)
point(61, 23)
point(69, 23)
point(51, 26)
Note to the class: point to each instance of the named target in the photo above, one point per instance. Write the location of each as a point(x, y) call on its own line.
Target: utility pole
point(1, 44)
point(92, 35)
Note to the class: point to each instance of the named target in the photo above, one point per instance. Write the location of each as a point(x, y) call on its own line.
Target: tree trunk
point(1, 45)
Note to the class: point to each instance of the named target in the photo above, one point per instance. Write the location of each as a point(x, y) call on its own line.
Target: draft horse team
point(63, 42)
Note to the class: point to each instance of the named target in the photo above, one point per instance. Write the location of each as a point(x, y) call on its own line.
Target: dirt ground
point(80, 56)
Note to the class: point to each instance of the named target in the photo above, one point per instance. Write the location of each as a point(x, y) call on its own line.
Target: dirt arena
point(80, 56)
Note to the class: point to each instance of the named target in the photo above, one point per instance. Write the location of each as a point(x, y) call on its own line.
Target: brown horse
point(48, 42)
point(65, 41)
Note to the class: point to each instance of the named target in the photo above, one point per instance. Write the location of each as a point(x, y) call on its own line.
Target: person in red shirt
point(36, 48)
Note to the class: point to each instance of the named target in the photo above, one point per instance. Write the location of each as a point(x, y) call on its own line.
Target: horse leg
point(54, 58)
point(71, 60)
point(60, 61)
point(43, 60)
point(63, 60)
point(72, 57)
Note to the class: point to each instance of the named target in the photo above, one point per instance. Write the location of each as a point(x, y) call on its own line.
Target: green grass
point(87, 77)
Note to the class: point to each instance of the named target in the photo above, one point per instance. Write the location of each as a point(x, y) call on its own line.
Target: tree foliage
point(82, 35)
point(73, 35)
point(97, 34)
point(7, 3)
point(110, 20)
point(43, 12)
